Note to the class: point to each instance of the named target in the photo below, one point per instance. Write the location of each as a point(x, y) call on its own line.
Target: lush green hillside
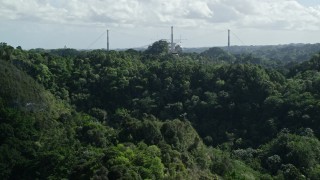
point(152, 115)
point(271, 56)
point(280, 53)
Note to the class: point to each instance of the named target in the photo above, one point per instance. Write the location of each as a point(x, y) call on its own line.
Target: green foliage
point(293, 154)
point(180, 135)
point(313, 64)
point(278, 55)
point(158, 48)
point(96, 134)
point(68, 114)
point(314, 172)
point(6, 51)
point(137, 162)
point(218, 55)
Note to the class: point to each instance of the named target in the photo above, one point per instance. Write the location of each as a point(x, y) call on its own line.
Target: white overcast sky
point(135, 23)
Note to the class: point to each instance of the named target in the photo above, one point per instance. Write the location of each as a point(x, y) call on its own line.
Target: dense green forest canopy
point(268, 55)
point(69, 114)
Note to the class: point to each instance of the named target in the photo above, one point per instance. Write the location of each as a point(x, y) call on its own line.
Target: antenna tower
point(228, 38)
point(172, 44)
point(108, 40)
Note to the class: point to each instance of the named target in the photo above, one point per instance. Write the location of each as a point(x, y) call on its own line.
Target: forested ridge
point(70, 114)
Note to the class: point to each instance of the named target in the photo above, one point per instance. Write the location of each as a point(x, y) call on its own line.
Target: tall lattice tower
point(172, 43)
point(228, 38)
point(108, 40)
